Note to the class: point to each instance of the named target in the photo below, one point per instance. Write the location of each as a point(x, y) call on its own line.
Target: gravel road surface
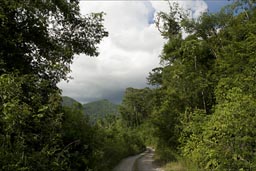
point(141, 162)
point(146, 162)
point(127, 163)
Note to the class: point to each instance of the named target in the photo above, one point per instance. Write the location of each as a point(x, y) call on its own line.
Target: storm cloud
point(129, 53)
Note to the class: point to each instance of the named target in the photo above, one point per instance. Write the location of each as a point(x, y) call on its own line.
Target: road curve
point(141, 162)
point(146, 162)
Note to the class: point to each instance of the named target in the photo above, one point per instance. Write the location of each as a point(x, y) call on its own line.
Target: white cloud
point(127, 56)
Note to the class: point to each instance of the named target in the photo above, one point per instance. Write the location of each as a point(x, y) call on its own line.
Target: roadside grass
point(180, 165)
point(177, 164)
point(174, 166)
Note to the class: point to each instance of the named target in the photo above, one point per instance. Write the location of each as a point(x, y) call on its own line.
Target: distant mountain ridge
point(96, 109)
point(68, 101)
point(100, 108)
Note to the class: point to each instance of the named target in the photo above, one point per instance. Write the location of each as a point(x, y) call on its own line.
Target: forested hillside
point(68, 101)
point(100, 109)
point(94, 110)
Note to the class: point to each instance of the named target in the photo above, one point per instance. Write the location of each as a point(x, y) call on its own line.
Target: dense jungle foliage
point(201, 108)
point(205, 94)
point(38, 42)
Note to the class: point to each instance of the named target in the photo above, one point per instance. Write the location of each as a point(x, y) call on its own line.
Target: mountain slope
point(100, 108)
point(95, 110)
point(68, 101)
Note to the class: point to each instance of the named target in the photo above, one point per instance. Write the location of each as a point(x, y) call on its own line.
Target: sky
point(130, 51)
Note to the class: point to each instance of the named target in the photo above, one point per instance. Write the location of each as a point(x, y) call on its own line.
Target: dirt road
point(142, 162)
point(127, 164)
point(146, 162)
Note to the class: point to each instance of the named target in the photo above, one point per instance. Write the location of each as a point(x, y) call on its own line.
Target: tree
point(208, 90)
point(136, 106)
point(77, 137)
point(38, 42)
point(155, 77)
point(41, 37)
point(229, 133)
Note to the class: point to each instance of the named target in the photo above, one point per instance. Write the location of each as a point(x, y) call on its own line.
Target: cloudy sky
point(130, 51)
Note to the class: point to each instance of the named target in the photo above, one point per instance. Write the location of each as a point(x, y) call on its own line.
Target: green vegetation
point(38, 42)
point(89, 146)
point(100, 109)
point(199, 115)
point(68, 101)
point(205, 92)
point(96, 110)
